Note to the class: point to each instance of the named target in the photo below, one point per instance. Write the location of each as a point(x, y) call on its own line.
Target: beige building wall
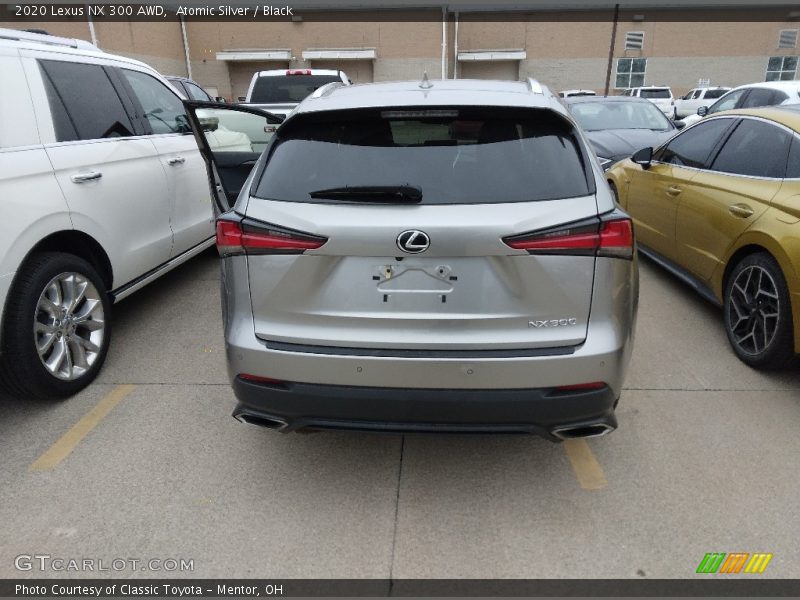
point(405, 47)
point(564, 49)
point(505, 70)
point(157, 44)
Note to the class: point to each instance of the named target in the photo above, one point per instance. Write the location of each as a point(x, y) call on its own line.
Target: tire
point(42, 315)
point(758, 313)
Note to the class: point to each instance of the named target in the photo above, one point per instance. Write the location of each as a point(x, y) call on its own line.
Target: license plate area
point(403, 280)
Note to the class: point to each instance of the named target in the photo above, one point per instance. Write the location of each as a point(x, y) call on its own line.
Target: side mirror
point(209, 123)
point(679, 124)
point(220, 99)
point(643, 157)
point(702, 111)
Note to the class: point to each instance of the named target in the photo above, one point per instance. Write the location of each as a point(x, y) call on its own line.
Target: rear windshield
point(620, 114)
point(655, 94)
point(452, 156)
point(715, 93)
point(287, 88)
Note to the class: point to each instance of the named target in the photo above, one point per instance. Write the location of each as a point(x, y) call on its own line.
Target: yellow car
point(719, 206)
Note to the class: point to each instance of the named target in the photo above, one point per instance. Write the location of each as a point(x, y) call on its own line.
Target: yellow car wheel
point(758, 314)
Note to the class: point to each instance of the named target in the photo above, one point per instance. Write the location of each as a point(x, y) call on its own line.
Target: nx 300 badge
point(554, 322)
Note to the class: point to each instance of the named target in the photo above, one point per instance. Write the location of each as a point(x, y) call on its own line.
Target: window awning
point(340, 54)
point(268, 54)
point(485, 55)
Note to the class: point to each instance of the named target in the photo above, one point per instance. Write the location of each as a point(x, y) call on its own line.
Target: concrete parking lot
point(147, 463)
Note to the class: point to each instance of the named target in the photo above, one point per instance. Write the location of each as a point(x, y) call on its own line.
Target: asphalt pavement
point(147, 464)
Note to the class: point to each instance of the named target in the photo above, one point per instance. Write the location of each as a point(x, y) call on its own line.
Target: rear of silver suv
point(443, 257)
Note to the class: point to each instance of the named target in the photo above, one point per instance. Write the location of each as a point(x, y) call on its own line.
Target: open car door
point(231, 139)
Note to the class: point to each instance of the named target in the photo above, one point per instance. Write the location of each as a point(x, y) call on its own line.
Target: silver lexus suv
point(411, 257)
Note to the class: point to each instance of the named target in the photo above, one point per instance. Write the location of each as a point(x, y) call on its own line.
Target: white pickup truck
point(695, 98)
point(280, 90)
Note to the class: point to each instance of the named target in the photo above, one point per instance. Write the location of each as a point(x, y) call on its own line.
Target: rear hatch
point(282, 92)
point(661, 97)
point(412, 211)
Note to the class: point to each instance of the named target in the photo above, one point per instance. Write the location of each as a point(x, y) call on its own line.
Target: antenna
point(425, 84)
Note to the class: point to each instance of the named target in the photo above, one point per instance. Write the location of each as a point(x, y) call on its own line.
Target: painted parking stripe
point(588, 471)
point(70, 440)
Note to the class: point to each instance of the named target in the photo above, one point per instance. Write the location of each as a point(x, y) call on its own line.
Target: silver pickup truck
point(280, 90)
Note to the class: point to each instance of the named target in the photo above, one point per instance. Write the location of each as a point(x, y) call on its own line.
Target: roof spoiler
point(326, 89)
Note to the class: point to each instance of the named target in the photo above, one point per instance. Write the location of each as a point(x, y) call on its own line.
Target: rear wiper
point(371, 193)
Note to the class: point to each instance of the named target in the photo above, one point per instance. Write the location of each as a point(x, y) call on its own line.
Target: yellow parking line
point(70, 440)
point(588, 471)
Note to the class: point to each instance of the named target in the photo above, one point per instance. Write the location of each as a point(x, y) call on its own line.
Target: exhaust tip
point(260, 420)
point(582, 431)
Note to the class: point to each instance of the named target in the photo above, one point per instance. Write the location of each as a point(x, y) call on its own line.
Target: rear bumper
point(547, 412)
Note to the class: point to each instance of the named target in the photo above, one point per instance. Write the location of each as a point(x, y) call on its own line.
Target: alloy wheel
point(754, 310)
point(69, 326)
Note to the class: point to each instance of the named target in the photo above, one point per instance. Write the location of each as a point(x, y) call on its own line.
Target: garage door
point(242, 72)
point(507, 70)
point(359, 71)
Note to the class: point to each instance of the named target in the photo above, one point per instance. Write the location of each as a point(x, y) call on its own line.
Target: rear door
point(414, 206)
point(231, 140)
point(162, 113)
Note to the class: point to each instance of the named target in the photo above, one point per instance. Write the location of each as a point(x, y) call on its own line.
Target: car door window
point(693, 147)
point(162, 108)
point(727, 102)
point(196, 92)
point(712, 94)
point(758, 97)
point(697, 94)
point(83, 101)
point(754, 148)
point(793, 166)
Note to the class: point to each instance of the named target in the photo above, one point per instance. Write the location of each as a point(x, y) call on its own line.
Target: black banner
point(712, 586)
point(331, 11)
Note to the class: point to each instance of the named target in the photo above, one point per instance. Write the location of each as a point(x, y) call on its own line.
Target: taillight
point(253, 237)
point(298, 72)
point(608, 237)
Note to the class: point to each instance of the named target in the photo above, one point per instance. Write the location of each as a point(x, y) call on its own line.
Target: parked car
point(717, 205)
point(618, 126)
point(280, 90)
point(103, 190)
point(435, 256)
point(572, 93)
point(189, 88)
point(752, 95)
point(695, 98)
point(660, 95)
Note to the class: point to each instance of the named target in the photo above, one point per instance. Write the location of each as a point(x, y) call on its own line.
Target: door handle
point(673, 190)
point(740, 210)
point(177, 160)
point(84, 177)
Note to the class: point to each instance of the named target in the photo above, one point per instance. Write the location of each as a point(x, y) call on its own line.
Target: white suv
point(103, 190)
point(660, 95)
point(751, 95)
point(697, 97)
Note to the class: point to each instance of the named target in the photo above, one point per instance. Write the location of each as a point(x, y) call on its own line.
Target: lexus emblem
point(413, 241)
